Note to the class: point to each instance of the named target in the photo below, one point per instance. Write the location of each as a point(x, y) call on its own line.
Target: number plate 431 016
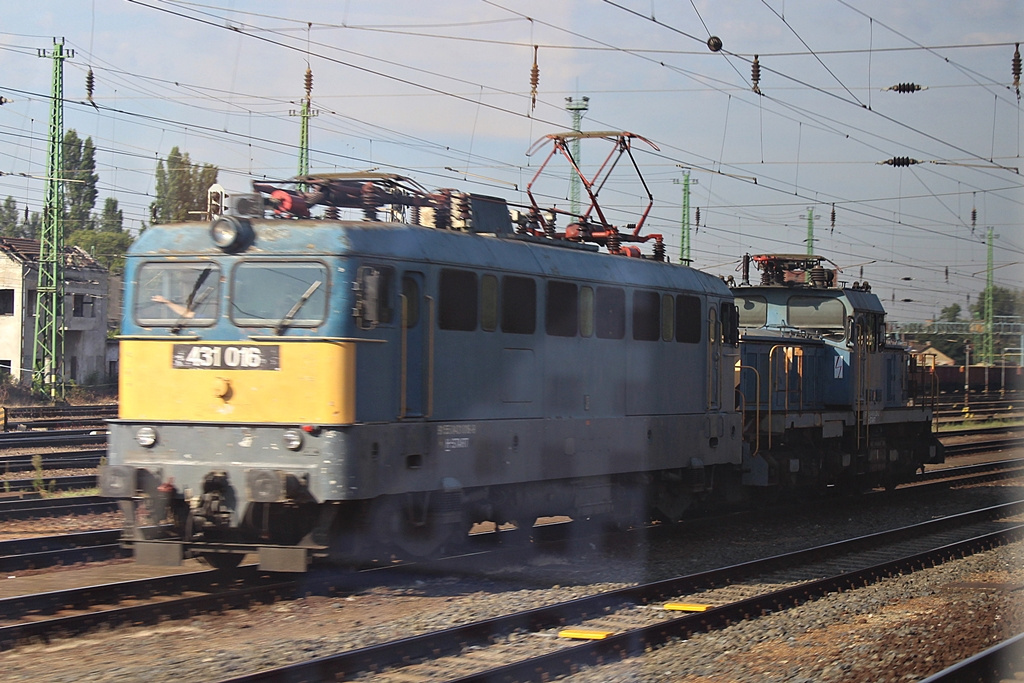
point(227, 357)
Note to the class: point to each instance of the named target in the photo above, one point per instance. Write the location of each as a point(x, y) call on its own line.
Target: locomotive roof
point(399, 241)
point(859, 300)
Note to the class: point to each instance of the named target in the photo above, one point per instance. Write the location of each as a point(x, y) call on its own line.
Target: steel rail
point(47, 551)
point(1002, 661)
point(56, 437)
point(52, 507)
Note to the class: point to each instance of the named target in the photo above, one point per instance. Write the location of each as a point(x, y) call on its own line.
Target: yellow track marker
point(584, 633)
point(686, 607)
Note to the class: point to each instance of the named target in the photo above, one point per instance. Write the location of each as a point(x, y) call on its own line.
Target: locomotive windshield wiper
point(283, 323)
point(192, 300)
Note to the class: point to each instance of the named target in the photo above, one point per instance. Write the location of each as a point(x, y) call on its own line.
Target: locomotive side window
point(562, 309)
point(753, 311)
point(518, 305)
point(586, 311)
point(689, 320)
point(173, 294)
point(282, 293)
point(457, 309)
point(816, 313)
point(489, 303)
point(611, 313)
point(646, 316)
point(668, 318)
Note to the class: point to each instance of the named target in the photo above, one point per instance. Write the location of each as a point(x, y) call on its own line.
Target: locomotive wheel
point(222, 560)
point(399, 522)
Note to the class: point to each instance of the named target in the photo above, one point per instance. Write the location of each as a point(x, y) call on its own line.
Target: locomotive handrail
point(403, 378)
point(785, 393)
point(757, 408)
point(430, 356)
point(157, 337)
point(338, 340)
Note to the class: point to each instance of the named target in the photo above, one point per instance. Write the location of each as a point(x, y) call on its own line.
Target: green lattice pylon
point(48, 340)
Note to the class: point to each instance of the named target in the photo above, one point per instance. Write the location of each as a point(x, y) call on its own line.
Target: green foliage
point(1004, 302)
point(9, 218)
point(37, 467)
point(108, 248)
point(32, 226)
point(950, 313)
point(10, 226)
point(112, 218)
point(180, 188)
point(80, 191)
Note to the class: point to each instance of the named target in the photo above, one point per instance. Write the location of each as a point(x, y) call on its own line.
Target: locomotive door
point(416, 313)
point(714, 378)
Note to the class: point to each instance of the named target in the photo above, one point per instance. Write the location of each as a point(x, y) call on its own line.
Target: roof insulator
point(309, 82)
point(833, 219)
point(534, 80)
point(901, 161)
point(90, 84)
point(755, 75)
point(905, 87)
point(1016, 69)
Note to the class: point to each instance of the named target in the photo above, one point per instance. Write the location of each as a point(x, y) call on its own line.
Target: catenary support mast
point(48, 344)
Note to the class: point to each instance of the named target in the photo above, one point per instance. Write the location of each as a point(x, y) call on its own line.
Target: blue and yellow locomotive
point(297, 388)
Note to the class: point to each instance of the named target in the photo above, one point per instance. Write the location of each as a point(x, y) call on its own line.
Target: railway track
point(83, 459)
point(65, 549)
point(561, 639)
point(29, 508)
point(62, 483)
point(18, 418)
point(31, 616)
point(96, 436)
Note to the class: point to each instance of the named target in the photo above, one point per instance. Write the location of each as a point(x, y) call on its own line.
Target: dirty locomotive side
point(307, 388)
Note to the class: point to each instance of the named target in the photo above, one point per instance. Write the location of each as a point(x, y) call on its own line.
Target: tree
point(180, 188)
point(112, 218)
point(80, 191)
point(9, 218)
point(950, 313)
point(108, 248)
point(1004, 302)
point(32, 225)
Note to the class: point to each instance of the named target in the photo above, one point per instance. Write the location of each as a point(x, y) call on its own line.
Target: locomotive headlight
point(230, 233)
point(292, 439)
point(146, 437)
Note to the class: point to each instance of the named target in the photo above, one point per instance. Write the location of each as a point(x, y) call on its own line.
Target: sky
point(441, 92)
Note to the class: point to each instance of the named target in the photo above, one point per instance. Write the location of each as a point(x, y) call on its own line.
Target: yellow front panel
point(315, 384)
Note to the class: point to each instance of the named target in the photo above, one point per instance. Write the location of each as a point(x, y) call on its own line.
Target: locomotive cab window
point(279, 294)
point(809, 312)
point(372, 295)
point(753, 311)
point(177, 294)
